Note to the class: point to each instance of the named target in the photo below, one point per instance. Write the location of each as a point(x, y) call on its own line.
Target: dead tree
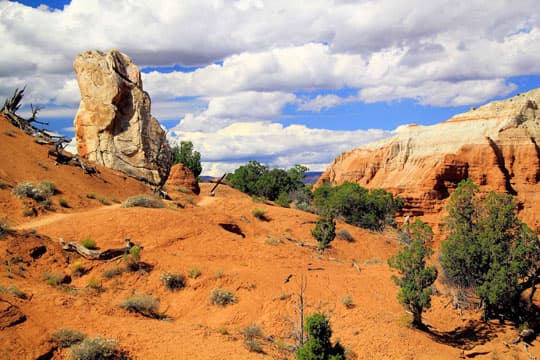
point(212, 192)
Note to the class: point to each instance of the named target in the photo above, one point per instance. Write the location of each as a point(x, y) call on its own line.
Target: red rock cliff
point(496, 145)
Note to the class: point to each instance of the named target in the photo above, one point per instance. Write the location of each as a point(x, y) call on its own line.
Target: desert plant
point(91, 196)
point(3, 184)
point(13, 290)
point(146, 201)
point(272, 241)
point(24, 189)
point(283, 200)
point(29, 211)
point(66, 337)
point(253, 345)
point(132, 259)
point(4, 227)
point(186, 155)
point(63, 203)
point(78, 268)
point(344, 234)
point(89, 243)
point(324, 231)
point(143, 304)
point(347, 301)
point(53, 279)
point(115, 200)
point(95, 348)
point(194, 272)
point(318, 345)
point(44, 190)
point(219, 274)
point(95, 284)
point(252, 331)
point(222, 297)
point(112, 272)
point(173, 281)
point(104, 200)
point(259, 213)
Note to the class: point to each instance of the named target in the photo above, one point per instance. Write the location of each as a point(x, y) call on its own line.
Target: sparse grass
point(103, 200)
point(173, 281)
point(78, 268)
point(29, 211)
point(347, 301)
point(251, 333)
point(95, 348)
point(146, 201)
point(13, 290)
point(112, 272)
point(259, 213)
point(272, 241)
point(223, 330)
point(222, 297)
point(66, 337)
point(219, 274)
point(95, 284)
point(91, 196)
point(53, 279)
point(344, 234)
point(89, 243)
point(373, 262)
point(132, 259)
point(63, 203)
point(143, 304)
point(194, 272)
point(4, 227)
point(253, 346)
point(3, 184)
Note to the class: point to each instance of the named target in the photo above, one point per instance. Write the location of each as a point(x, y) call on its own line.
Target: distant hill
point(310, 178)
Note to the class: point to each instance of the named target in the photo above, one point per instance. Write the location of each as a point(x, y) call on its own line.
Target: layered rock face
point(495, 145)
point(182, 176)
point(113, 125)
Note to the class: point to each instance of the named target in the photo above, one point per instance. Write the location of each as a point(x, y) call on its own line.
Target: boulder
point(114, 126)
point(182, 176)
point(495, 145)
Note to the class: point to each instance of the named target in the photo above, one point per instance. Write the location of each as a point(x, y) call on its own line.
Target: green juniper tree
point(416, 277)
point(318, 345)
point(325, 230)
point(186, 155)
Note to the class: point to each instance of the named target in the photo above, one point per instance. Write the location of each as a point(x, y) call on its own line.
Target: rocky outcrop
point(113, 125)
point(496, 145)
point(182, 177)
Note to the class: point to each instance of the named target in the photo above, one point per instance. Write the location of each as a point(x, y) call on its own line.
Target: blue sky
point(282, 82)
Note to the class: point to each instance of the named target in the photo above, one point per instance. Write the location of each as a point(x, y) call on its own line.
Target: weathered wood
point(212, 193)
point(94, 254)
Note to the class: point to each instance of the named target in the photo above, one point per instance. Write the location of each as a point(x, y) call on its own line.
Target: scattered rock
point(113, 125)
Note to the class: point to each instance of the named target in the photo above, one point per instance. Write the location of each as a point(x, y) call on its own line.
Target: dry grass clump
point(4, 227)
point(143, 304)
point(194, 272)
point(347, 301)
point(13, 290)
point(66, 337)
point(89, 243)
point(222, 297)
point(345, 235)
point(173, 281)
point(40, 192)
point(112, 272)
point(146, 201)
point(259, 213)
point(95, 348)
point(251, 333)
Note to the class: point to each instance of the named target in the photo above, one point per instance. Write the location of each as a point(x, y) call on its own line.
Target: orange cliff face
point(495, 145)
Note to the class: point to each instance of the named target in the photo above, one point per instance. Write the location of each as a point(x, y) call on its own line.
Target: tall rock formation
point(496, 145)
point(113, 125)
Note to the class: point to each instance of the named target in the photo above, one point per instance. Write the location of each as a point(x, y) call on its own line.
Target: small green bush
point(222, 297)
point(103, 200)
point(63, 203)
point(89, 243)
point(253, 346)
point(344, 234)
point(146, 201)
point(91, 196)
point(78, 268)
point(66, 337)
point(53, 279)
point(96, 348)
point(324, 231)
point(173, 281)
point(143, 304)
point(4, 227)
point(252, 331)
point(259, 213)
point(283, 200)
point(44, 190)
point(194, 272)
point(3, 184)
point(24, 189)
point(95, 284)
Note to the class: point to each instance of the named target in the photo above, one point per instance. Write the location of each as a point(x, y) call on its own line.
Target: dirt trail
point(206, 200)
point(57, 217)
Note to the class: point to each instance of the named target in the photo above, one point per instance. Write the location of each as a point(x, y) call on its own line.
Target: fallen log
point(94, 254)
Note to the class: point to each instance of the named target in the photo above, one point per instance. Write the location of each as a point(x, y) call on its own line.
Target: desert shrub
point(146, 201)
point(256, 179)
point(24, 189)
point(132, 259)
point(91, 196)
point(259, 213)
point(222, 297)
point(357, 206)
point(63, 203)
point(186, 155)
point(173, 281)
point(115, 200)
point(143, 304)
point(252, 331)
point(347, 301)
point(4, 227)
point(95, 284)
point(104, 200)
point(219, 274)
point(194, 272)
point(318, 345)
point(253, 345)
point(78, 268)
point(344, 234)
point(53, 279)
point(13, 290)
point(324, 231)
point(96, 348)
point(301, 198)
point(44, 190)
point(89, 243)
point(283, 200)
point(29, 211)
point(112, 272)
point(66, 337)
point(3, 184)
